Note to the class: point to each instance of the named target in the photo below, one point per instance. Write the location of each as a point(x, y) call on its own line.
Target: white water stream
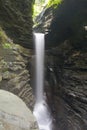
point(41, 109)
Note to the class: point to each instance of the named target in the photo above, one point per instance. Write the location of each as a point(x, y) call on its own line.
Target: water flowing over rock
point(66, 63)
point(41, 108)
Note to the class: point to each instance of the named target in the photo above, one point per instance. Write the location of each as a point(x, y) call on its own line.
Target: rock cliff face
point(16, 20)
point(69, 23)
point(66, 60)
point(66, 76)
point(14, 73)
point(66, 63)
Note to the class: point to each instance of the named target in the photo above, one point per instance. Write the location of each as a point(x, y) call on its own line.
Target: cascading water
point(39, 50)
point(41, 109)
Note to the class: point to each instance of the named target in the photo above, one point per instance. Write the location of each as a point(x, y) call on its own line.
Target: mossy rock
point(16, 20)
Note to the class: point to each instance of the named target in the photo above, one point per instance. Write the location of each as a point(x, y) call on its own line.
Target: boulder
point(14, 114)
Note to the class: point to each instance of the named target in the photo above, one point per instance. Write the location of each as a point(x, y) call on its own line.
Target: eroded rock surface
point(67, 83)
point(14, 114)
point(66, 62)
point(14, 74)
point(16, 20)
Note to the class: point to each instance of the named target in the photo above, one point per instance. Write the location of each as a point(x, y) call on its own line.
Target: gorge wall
point(65, 29)
point(16, 28)
point(16, 20)
point(66, 62)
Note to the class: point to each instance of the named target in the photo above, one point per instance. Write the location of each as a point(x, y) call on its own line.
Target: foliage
point(36, 10)
point(37, 7)
point(40, 4)
point(53, 2)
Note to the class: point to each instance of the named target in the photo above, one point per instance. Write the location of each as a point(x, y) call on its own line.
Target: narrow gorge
point(64, 24)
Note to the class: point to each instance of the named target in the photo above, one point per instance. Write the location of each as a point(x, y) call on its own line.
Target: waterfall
point(39, 50)
point(41, 109)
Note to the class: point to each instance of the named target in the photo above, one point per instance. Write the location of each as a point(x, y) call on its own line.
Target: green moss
point(16, 20)
point(54, 3)
point(4, 40)
point(3, 36)
point(7, 46)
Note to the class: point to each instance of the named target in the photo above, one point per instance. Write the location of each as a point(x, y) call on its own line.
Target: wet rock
point(15, 68)
point(7, 75)
point(43, 20)
point(15, 77)
point(62, 23)
point(0, 78)
point(67, 96)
